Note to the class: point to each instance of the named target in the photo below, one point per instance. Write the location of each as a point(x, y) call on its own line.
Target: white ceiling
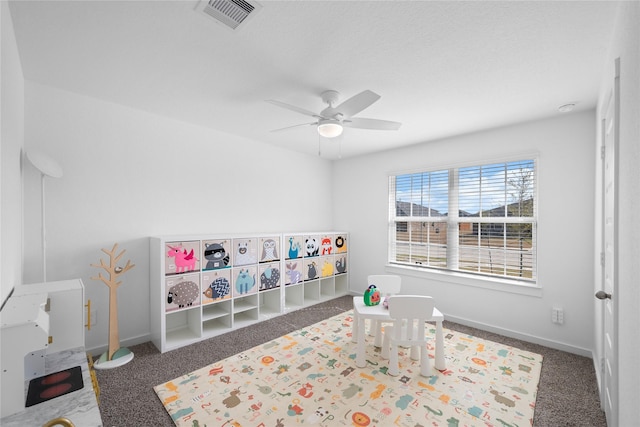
point(442, 68)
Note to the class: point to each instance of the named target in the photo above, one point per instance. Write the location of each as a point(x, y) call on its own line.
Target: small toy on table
point(385, 302)
point(371, 296)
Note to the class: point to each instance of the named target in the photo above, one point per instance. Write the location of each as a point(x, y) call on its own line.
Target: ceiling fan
point(331, 120)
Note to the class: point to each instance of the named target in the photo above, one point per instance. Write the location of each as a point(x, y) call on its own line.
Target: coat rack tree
point(115, 356)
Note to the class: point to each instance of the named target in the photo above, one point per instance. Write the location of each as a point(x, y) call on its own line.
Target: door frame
point(613, 104)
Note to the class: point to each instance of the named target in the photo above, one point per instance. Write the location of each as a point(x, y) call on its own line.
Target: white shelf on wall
point(241, 304)
point(216, 318)
point(294, 271)
point(216, 310)
point(245, 318)
point(182, 327)
point(311, 292)
point(294, 297)
point(270, 303)
point(327, 289)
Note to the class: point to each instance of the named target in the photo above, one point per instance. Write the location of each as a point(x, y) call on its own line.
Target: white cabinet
point(66, 311)
point(206, 285)
point(38, 321)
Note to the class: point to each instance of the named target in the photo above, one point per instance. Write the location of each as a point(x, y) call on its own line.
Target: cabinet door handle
point(88, 305)
point(65, 422)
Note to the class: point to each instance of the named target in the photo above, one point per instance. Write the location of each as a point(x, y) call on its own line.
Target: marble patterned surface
point(79, 406)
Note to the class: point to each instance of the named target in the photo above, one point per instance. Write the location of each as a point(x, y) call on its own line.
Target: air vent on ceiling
point(231, 13)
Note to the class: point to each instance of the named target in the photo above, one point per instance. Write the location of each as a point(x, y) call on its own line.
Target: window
point(476, 219)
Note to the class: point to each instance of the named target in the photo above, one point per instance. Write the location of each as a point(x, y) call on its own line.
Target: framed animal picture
point(269, 276)
point(244, 280)
point(216, 285)
point(311, 268)
point(327, 266)
point(311, 246)
point(294, 247)
point(340, 262)
point(340, 243)
point(244, 251)
point(182, 292)
point(215, 254)
point(326, 245)
point(269, 249)
point(293, 273)
point(182, 257)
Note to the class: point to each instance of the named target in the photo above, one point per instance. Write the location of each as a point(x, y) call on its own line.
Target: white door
point(609, 280)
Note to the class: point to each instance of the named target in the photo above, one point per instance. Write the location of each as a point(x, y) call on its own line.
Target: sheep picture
point(183, 293)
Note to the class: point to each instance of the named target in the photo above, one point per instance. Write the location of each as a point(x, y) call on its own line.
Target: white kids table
point(361, 312)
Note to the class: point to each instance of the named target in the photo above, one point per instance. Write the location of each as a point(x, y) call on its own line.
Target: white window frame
point(451, 272)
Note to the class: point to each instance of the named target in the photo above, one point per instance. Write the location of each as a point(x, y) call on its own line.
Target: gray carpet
point(567, 394)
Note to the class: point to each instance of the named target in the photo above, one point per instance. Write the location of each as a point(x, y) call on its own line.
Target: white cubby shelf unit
point(206, 285)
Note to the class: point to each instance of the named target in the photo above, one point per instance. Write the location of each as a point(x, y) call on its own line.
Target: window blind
point(477, 219)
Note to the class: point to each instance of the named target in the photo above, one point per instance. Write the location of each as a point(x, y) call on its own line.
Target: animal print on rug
point(309, 377)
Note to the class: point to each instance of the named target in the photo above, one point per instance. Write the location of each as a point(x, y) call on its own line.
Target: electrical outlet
point(557, 315)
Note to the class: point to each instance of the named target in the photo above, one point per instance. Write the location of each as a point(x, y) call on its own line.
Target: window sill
point(496, 284)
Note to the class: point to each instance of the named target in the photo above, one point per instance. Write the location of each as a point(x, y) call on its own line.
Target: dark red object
point(54, 385)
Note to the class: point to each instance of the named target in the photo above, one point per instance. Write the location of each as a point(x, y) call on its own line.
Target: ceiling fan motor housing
point(330, 97)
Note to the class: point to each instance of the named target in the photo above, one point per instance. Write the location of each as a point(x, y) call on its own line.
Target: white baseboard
point(521, 336)
point(97, 351)
point(518, 335)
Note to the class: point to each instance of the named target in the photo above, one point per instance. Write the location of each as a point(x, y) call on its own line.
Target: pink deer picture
point(185, 261)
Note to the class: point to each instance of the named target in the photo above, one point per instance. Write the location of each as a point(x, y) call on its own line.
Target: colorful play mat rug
point(309, 377)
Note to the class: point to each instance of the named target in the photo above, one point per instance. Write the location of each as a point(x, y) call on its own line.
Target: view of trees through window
point(478, 219)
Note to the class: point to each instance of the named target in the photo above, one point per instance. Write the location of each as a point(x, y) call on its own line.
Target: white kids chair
point(387, 285)
point(410, 314)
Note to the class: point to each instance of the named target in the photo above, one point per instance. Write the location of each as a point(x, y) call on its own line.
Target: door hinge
point(602, 259)
point(602, 152)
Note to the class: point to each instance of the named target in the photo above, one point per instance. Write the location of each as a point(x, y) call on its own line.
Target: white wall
point(626, 46)
point(12, 125)
point(565, 227)
point(129, 175)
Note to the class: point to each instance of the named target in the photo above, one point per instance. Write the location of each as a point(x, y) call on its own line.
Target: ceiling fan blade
point(353, 105)
point(293, 108)
point(294, 126)
point(373, 124)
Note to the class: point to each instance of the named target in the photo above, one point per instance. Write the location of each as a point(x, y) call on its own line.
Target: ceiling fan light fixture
point(329, 128)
